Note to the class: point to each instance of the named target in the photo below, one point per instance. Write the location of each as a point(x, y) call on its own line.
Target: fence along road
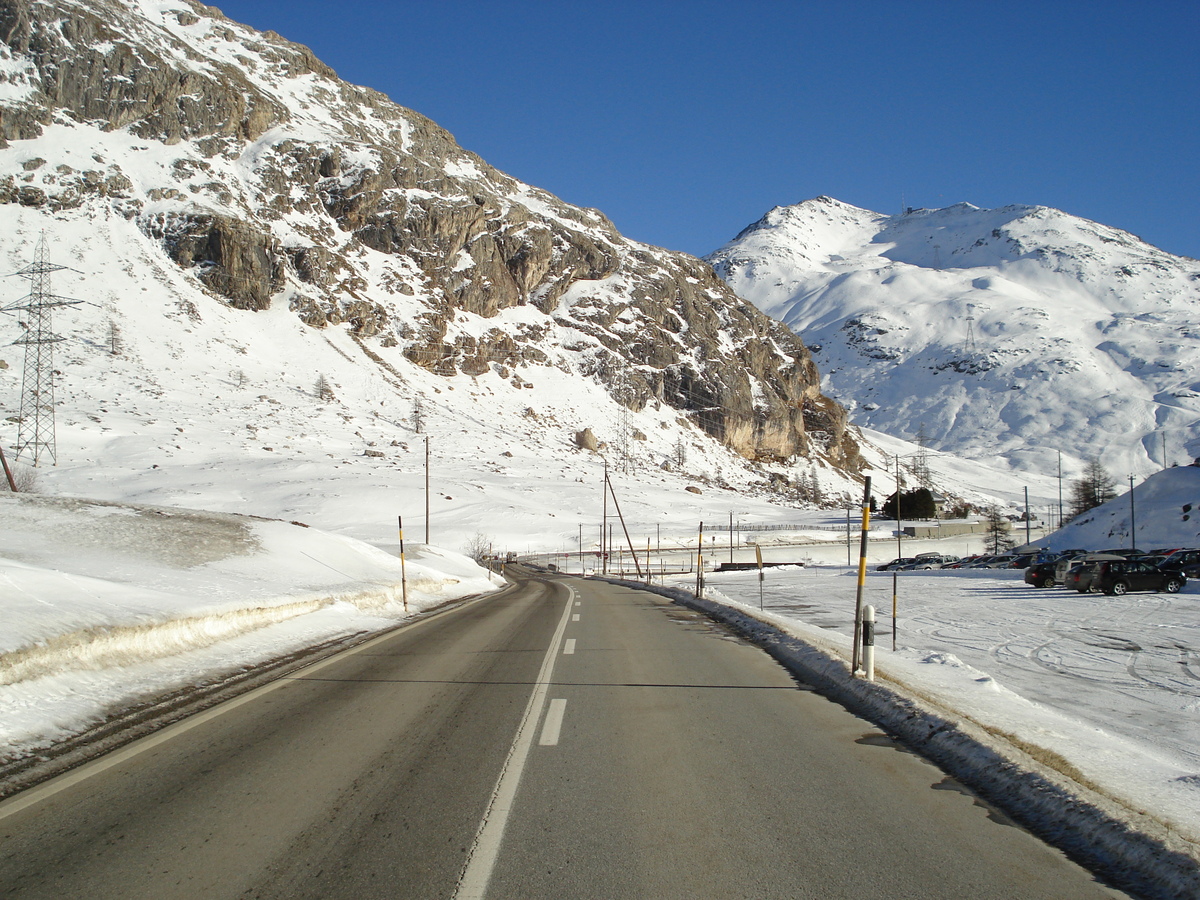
point(564, 740)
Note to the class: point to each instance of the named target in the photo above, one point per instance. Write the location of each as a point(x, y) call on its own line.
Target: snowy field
point(1109, 684)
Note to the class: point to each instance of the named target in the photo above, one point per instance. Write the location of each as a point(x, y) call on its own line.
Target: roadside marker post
point(862, 571)
point(403, 573)
point(758, 557)
point(868, 642)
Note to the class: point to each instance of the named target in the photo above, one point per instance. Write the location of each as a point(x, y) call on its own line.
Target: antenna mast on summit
point(35, 433)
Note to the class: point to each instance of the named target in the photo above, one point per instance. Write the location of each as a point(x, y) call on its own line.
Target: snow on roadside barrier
point(101, 647)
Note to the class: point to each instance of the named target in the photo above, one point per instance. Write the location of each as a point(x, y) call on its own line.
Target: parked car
point(1180, 559)
point(1066, 562)
point(1041, 574)
point(1131, 575)
point(995, 562)
point(896, 564)
point(962, 563)
point(928, 561)
point(1079, 577)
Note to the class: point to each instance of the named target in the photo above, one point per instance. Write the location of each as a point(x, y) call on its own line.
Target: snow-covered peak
point(804, 233)
point(1004, 334)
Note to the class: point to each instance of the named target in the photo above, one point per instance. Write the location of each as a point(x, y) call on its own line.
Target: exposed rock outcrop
point(290, 184)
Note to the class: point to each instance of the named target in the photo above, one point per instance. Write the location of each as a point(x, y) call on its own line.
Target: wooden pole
point(12, 484)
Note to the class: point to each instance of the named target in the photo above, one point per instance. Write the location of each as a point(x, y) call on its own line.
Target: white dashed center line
point(553, 723)
point(569, 647)
point(575, 618)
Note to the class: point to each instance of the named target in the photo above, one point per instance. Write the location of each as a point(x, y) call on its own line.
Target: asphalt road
point(567, 740)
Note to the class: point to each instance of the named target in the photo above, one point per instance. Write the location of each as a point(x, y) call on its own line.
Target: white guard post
point(868, 642)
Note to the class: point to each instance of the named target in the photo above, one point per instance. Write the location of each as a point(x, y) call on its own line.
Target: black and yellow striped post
point(862, 571)
point(403, 573)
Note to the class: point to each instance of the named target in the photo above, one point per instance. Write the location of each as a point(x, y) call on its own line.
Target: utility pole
point(1060, 505)
point(1027, 517)
point(849, 559)
point(1132, 516)
point(899, 555)
point(35, 432)
point(604, 525)
point(426, 489)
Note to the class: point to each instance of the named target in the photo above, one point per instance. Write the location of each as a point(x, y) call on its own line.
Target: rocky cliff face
point(270, 181)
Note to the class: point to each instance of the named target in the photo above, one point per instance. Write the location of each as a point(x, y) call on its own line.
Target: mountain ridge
point(1017, 332)
point(243, 161)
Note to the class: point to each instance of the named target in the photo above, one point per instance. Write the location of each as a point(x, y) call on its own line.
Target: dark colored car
point(896, 563)
point(1041, 574)
point(1180, 559)
point(1131, 575)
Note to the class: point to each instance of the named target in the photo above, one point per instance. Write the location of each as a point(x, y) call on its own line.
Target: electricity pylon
point(35, 432)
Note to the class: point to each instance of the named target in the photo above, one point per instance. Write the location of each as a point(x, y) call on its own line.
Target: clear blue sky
point(684, 122)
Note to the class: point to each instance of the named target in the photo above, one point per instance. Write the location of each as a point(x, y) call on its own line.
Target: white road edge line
point(553, 724)
point(38, 793)
point(569, 647)
point(478, 872)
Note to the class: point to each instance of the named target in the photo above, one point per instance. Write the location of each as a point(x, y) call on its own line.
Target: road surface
point(569, 739)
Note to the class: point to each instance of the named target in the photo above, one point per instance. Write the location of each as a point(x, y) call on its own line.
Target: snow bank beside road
point(106, 603)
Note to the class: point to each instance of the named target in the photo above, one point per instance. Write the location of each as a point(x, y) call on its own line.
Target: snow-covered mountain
point(245, 226)
point(1005, 335)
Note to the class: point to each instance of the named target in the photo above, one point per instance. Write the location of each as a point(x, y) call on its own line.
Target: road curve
point(570, 739)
